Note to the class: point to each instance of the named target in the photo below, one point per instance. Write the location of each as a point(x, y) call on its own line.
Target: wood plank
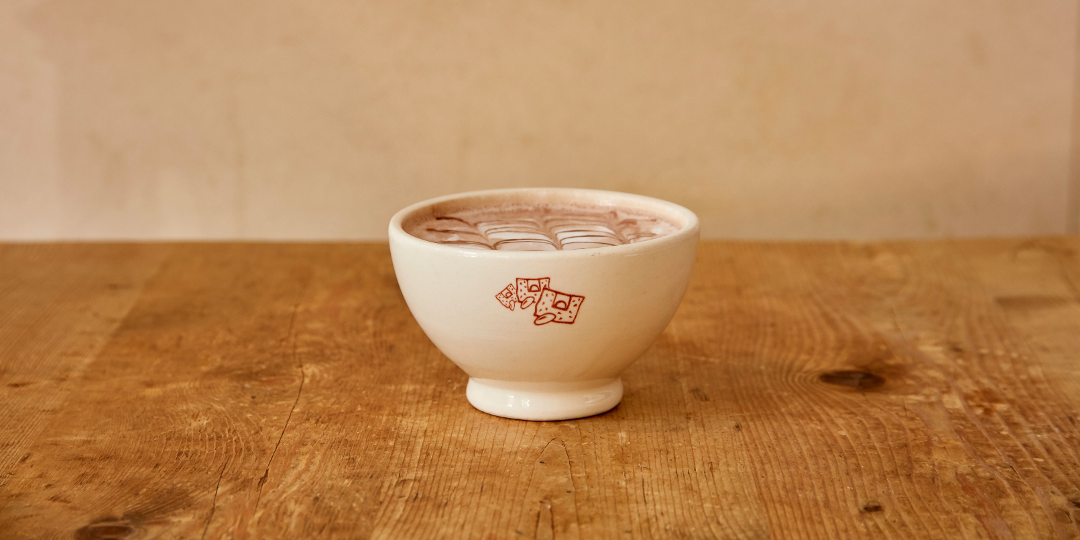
point(1036, 283)
point(189, 395)
point(1002, 448)
point(58, 305)
point(899, 390)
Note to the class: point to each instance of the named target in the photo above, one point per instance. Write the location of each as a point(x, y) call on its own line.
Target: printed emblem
point(508, 298)
point(529, 290)
point(548, 304)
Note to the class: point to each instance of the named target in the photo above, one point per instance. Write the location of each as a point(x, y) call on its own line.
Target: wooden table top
point(803, 390)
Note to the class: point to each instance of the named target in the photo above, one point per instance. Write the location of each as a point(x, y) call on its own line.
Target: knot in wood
point(105, 531)
point(859, 380)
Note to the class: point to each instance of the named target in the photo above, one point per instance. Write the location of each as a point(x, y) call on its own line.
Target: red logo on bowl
point(548, 304)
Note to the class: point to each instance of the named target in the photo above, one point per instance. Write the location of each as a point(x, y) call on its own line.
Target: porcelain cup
point(544, 335)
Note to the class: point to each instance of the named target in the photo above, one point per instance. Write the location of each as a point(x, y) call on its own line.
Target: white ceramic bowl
point(612, 303)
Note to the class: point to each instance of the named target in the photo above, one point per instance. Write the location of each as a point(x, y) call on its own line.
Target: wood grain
point(891, 390)
point(58, 306)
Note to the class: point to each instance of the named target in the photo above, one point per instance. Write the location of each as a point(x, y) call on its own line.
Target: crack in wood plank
point(299, 391)
point(213, 503)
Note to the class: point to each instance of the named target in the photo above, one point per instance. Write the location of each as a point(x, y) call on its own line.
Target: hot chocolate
point(538, 227)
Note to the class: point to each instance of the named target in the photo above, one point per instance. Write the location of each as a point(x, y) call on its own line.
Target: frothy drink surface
point(539, 227)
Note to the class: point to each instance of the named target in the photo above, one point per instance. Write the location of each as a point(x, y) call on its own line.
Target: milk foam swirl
point(539, 228)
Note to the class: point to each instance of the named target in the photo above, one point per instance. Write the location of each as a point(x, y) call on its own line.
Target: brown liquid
point(539, 227)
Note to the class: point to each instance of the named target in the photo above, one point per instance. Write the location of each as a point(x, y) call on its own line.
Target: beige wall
point(780, 119)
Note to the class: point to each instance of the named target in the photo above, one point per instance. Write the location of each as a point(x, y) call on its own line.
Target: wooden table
point(825, 390)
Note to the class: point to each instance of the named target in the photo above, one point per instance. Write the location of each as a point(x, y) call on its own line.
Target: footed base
point(544, 400)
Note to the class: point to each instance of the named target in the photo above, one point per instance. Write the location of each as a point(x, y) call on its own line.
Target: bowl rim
point(690, 229)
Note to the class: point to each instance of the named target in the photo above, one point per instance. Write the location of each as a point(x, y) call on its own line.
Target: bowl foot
point(544, 400)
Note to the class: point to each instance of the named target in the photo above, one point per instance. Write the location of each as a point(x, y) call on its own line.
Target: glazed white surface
point(630, 293)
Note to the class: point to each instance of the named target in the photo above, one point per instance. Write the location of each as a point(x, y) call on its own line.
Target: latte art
point(539, 227)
